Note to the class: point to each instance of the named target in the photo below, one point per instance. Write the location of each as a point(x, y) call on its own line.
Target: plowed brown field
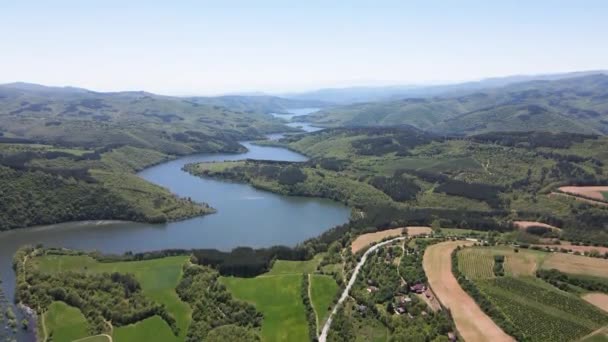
point(472, 323)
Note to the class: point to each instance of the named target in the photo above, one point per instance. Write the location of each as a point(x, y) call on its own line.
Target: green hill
point(578, 104)
point(71, 154)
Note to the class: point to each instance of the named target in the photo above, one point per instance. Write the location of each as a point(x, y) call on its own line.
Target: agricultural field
point(295, 267)
point(323, 291)
point(539, 311)
point(65, 323)
point(577, 264)
point(472, 323)
point(477, 262)
point(150, 329)
point(597, 193)
point(363, 241)
point(598, 299)
point(158, 279)
point(277, 295)
point(278, 298)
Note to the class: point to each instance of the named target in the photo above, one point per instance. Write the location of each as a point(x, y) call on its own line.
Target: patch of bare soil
point(523, 225)
point(416, 231)
point(365, 240)
point(577, 264)
point(598, 299)
point(591, 192)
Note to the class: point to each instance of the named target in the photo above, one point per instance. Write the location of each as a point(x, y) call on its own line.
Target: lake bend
point(245, 216)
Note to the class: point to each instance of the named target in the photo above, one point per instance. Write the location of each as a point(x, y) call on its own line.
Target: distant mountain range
point(69, 116)
point(576, 104)
point(361, 94)
point(572, 102)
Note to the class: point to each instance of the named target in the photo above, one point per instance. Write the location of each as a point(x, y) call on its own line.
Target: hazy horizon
point(209, 48)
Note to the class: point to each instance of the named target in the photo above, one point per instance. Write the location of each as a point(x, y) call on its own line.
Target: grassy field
point(323, 290)
point(65, 323)
point(158, 279)
point(278, 298)
point(295, 267)
point(277, 294)
point(477, 263)
point(576, 264)
point(150, 329)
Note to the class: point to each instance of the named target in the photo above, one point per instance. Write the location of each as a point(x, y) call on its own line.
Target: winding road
point(351, 282)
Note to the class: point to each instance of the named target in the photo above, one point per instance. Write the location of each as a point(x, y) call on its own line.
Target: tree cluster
point(213, 306)
point(569, 282)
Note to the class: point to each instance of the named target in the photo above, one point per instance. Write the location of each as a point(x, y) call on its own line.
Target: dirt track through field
point(472, 323)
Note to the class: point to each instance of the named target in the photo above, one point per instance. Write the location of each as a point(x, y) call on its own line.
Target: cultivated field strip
point(541, 312)
point(476, 263)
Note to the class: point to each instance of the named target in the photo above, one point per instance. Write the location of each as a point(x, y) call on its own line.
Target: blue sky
point(211, 47)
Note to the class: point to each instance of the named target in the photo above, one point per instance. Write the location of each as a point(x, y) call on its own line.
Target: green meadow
point(158, 279)
point(65, 323)
point(277, 297)
point(323, 290)
point(277, 294)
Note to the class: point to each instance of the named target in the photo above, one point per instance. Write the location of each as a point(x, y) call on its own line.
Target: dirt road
point(327, 325)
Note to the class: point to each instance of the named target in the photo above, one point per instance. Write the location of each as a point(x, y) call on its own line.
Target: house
point(372, 289)
point(403, 300)
point(452, 337)
point(418, 288)
point(400, 310)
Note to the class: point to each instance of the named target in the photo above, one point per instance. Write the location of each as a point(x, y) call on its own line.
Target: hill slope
point(577, 104)
point(71, 154)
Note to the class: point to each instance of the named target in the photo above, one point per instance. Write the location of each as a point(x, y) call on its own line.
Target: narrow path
point(84, 339)
point(351, 282)
point(471, 322)
point(313, 305)
point(43, 324)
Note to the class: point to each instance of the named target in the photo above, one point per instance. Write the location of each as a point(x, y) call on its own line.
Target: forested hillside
point(578, 104)
point(402, 176)
point(71, 154)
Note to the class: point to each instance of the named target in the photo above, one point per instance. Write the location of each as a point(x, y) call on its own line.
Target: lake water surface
point(246, 216)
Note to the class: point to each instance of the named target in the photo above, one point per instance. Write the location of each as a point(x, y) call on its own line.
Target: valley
point(304, 233)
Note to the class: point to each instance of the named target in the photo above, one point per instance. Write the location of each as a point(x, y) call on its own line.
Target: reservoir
point(245, 216)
